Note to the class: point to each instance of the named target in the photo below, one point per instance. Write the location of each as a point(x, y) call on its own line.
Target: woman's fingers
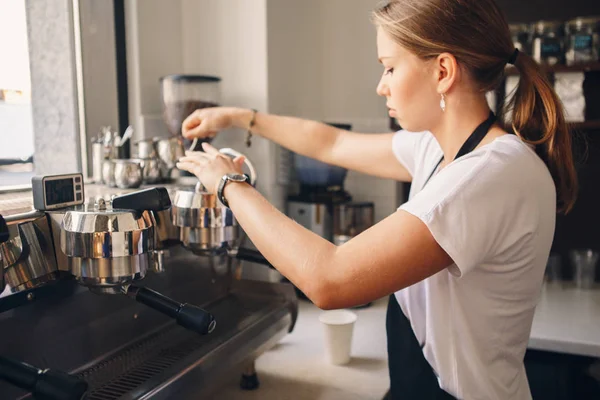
point(239, 162)
point(192, 122)
point(201, 160)
point(209, 149)
point(199, 131)
point(187, 166)
point(197, 154)
point(192, 153)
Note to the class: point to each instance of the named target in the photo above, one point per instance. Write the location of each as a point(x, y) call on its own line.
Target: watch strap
point(221, 187)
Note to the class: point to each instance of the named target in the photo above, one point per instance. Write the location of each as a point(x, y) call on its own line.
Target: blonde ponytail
point(538, 118)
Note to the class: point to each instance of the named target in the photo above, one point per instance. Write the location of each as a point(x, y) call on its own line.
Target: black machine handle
point(43, 384)
point(187, 315)
point(4, 235)
point(153, 199)
point(251, 255)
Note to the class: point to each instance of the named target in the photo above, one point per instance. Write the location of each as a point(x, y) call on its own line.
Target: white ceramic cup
point(338, 325)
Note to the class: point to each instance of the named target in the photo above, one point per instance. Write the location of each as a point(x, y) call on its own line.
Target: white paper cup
point(338, 325)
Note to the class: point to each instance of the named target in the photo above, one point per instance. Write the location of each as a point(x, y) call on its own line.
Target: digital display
point(59, 191)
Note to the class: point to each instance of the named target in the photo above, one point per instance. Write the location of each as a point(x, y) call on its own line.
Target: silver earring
point(443, 102)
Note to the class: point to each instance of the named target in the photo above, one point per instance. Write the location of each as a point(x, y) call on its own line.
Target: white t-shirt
point(493, 211)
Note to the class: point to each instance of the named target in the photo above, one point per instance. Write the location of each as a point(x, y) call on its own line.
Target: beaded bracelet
point(252, 122)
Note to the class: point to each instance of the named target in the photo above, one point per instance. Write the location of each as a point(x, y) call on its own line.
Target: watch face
point(237, 177)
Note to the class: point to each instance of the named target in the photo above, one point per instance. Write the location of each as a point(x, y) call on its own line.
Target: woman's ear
point(446, 72)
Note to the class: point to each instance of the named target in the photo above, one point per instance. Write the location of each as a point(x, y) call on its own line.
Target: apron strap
point(471, 143)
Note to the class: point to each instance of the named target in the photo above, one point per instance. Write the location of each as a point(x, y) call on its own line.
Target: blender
point(182, 95)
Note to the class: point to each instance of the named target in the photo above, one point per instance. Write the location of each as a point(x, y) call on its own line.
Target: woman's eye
point(389, 71)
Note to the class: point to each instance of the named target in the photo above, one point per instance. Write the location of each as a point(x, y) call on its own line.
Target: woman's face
point(408, 84)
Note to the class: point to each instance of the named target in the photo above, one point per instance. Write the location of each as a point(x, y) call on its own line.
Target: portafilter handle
point(4, 234)
point(43, 384)
point(187, 315)
point(153, 199)
point(249, 255)
point(4, 237)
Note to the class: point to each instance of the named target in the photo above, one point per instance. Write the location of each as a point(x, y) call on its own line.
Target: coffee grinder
point(182, 95)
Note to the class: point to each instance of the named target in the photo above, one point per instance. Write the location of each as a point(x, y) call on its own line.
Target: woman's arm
point(355, 151)
point(395, 253)
point(389, 256)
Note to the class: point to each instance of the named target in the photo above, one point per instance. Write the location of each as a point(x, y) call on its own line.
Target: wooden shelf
point(560, 68)
point(585, 126)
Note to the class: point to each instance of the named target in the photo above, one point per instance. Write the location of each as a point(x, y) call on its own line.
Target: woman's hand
point(210, 166)
point(207, 122)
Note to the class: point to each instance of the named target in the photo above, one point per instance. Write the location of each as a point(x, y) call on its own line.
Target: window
point(16, 122)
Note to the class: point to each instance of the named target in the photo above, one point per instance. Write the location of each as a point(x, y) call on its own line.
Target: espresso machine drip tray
point(175, 363)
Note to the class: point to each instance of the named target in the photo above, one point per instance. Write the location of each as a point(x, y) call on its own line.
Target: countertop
point(567, 320)
point(19, 200)
point(297, 369)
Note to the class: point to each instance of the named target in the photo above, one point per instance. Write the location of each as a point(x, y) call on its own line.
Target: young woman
point(464, 258)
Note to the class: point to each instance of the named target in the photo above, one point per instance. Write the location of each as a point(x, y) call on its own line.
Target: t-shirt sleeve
point(467, 211)
point(406, 146)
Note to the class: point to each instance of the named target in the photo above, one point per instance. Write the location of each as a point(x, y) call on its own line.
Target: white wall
point(99, 75)
point(350, 75)
point(323, 65)
point(350, 66)
point(323, 60)
point(311, 58)
point(154, 49)
point(228, 38)
point(295, 58)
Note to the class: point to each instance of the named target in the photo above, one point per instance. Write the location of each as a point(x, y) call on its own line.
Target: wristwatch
point(240, 178)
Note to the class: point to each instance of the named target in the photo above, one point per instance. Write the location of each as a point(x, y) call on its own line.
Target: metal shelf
point(512, 71)
point(585, 126)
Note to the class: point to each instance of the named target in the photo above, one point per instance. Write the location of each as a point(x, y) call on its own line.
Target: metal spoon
point(126, 136)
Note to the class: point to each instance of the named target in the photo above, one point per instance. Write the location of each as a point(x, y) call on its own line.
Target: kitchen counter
point(297, 369)
point(19, 200)
point(567, 320)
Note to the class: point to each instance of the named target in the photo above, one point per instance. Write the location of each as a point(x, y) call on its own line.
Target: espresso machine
point(88, 285)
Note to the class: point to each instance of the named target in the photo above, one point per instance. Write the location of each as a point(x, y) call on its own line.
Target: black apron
point(411, 376)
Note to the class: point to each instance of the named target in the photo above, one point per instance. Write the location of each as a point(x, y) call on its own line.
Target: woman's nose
point(382, 88)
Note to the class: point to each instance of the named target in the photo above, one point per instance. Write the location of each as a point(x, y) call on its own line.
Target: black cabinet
point(535, 10)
